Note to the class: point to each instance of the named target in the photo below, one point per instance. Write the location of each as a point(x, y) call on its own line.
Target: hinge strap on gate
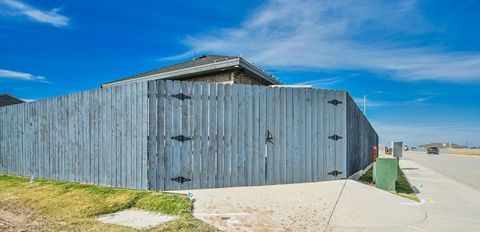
point(181, 179)
point(335, 102)
point(181, 96)
point(335, 137)
point(181, 138)
point(335, 173)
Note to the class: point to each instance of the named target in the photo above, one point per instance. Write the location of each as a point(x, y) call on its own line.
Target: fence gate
point(208, 135)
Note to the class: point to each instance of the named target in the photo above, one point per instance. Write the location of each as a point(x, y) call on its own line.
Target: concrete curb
point(360, 173)
point(415, 189)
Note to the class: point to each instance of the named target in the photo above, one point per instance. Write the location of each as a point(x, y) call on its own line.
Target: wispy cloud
point(21, 76)
point(376, 103)
point(322, 82)
point(330, 35)
point(52, 17)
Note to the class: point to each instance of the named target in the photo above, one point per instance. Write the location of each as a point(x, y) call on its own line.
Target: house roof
point(200, 65)
point(7, 99)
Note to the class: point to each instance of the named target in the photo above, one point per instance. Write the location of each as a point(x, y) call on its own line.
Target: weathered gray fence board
point(227, 158)
point(234, 140)
point(160, 135)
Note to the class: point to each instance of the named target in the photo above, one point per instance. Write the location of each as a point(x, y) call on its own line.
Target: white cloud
point(50, 17)
point(376, 103)
point(322, 83)
point(21, 76)
point(336, 35)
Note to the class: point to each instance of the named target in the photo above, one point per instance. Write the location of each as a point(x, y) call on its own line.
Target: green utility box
point(386, 169)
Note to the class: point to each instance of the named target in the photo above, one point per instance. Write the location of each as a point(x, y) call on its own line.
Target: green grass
point(402, 186)
point(367, 177)
point(73, 207)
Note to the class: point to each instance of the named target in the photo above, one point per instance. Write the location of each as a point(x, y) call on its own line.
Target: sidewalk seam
point(335, 206)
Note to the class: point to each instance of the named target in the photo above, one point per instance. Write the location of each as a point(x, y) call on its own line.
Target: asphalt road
point(464, 169)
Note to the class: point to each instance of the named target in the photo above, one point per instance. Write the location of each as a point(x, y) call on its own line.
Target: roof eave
point(182, 72)
point(232, 63)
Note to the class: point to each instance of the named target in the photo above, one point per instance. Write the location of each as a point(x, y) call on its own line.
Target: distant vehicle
point(432, 150)
point(413, 148)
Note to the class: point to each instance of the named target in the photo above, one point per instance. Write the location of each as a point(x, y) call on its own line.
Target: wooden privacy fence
point(167, 135)
point(97, 136)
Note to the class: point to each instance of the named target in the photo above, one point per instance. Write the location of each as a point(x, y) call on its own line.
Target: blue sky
point(423, 55)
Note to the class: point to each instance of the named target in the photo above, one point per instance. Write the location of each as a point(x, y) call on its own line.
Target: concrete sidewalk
point(450, 204)
point(365, 208)
point(343, 205)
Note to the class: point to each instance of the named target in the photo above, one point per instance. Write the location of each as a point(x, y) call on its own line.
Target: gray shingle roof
point(198, 61)
point(7, 99)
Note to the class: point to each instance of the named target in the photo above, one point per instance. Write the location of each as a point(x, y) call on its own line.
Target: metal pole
point(365, 105)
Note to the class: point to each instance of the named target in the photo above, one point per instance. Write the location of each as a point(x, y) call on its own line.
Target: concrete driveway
point(343, 205)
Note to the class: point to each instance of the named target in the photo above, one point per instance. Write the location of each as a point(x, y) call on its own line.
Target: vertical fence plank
point(276, 137)
point(341, 123)
point(186, 149)
point(329, 131)
point(282, 140)
point(235, 137)
point(204, 138)
point(308, 135)
point(212, 136)
point(197, 135)
point(255, 159)
point(262, 128)
point(220, 152)
point(152, 134)
point(314, 138)
point(160, 135)
point(142, 139)
point(248, 118)
point(241, 180)
point(227, 137)
point(269, 133)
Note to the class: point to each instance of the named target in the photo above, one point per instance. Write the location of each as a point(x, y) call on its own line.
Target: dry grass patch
point(465, 151)
point(73, 207)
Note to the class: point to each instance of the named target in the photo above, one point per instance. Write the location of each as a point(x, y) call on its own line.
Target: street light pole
point(365, 105)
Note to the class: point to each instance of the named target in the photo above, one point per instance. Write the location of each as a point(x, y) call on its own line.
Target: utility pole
point(365, 105)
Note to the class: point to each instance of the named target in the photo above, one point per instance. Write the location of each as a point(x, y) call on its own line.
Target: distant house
point(211, 68)
point(441, 145)
point(7, 99)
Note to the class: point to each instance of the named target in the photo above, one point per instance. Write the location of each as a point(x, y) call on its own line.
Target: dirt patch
point(17, 219)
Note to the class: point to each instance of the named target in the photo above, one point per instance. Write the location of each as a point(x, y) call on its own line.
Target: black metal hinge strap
point(335, 137)
point(181, 179)
point(181, 138)
point(335, 173)
point(335, 102)
point(181, 96)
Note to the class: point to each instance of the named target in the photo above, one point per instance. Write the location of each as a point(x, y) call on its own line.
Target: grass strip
point(73, 207)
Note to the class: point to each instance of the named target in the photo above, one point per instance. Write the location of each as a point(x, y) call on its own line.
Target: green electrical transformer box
point(386, 169)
